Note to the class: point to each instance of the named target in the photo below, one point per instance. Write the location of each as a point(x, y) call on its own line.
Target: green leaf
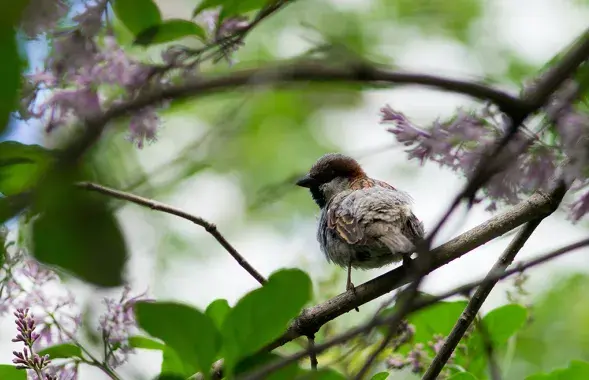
point(263, 314)
point(436, 319)
point(502, 322)
point(64, 350)
point(171, 363)
point(322, 374)
point(12, 205)
point(577, 370)
point(146, 343)
point(137, 15)
point(206, 4)
point(78, 232)
point(189, 332)
point(462, 376)
point(217, 311)
point(380, 376)
point(169, 377)
point(2, 251)
point(169, 30)
point(10, 67)
point(21, 166)
point(9, 372)
point(449, 18)
point(256, 361)
point(11, 15)
point(231, 7)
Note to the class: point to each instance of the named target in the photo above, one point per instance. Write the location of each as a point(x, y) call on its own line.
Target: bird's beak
point(306, 181)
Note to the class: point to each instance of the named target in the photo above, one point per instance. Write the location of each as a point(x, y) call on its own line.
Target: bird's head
point(331, 174)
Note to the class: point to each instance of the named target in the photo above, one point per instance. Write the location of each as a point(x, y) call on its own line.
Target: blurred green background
point(232, 158)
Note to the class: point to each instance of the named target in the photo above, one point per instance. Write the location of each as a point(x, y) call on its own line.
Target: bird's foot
point(350, 286)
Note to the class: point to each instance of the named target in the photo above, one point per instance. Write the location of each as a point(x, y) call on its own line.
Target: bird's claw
point(350, 286)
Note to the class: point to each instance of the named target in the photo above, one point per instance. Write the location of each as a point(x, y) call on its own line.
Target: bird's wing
point(375, 213)
point(413, 228)
point(342, 219)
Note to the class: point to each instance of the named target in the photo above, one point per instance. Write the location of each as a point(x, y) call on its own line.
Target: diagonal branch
point(311, 319)
point(420, 304)
point(154, 205)
point(477, 300)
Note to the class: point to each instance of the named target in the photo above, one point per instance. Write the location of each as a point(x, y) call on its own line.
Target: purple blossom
point(143, 127)
point(573, 129)
point(437, 343)
point(117, 324)
point(41, 16)
point(72, 52)
point(208, 19)
point(77, 71)
point(580, 207)
point(27, 358)
point(232, 25)
point(90, 20)
point(525, 164)
point(62, 105)
point(115, 67)
point(405, 132)
point(396, 361)
point(67, 371)
point(416, 358)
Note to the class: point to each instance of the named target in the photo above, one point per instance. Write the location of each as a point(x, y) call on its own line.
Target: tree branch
point(154, 205)
point(311, 71)
point(477, 300)
point(420, 304)
point(560, 72)
point(312, 354)
point(311, 319)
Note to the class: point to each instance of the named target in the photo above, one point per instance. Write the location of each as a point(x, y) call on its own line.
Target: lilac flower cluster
point(25, 285)
point(79, 73)
point(117, 324)
point(86, 62)
point(531, 158)
point(419, 357)
point(28, 359)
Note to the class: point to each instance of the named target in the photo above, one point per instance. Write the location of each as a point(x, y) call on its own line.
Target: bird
point(364, 223)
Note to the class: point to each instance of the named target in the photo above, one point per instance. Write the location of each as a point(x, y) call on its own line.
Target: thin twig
point(154, 205)
point(312, 354)
point(481, 294)
point(103, 366)
point(477, 300)
point(418, 305)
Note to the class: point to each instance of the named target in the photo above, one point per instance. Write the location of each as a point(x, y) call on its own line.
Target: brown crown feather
point(334, 165)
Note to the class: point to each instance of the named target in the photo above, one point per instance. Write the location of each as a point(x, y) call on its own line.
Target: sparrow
point(364, 223)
